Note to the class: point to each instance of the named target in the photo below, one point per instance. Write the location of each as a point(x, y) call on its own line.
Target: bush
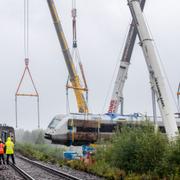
point(174, 157)
point(138, 150)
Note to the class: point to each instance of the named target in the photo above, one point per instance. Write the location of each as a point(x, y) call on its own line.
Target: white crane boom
point(117, 95)
point(156, 78)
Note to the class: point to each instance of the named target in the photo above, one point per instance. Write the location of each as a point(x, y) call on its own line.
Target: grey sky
point(102, 26)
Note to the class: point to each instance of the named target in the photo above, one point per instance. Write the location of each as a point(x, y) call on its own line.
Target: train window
point(4, 136)
point(53, 123)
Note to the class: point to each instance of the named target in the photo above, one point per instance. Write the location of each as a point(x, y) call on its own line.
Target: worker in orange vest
point(2, 152)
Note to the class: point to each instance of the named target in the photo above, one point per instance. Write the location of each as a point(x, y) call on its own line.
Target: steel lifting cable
point(76, 56)
point(67, 97)
point(26, 54)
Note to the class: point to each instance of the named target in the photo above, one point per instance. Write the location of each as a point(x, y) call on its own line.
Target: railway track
point(56, 173)
point(21, 172)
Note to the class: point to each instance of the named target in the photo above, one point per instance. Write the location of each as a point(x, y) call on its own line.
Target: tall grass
point(43, 152)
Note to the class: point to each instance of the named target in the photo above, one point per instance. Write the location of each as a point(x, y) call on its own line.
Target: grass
point(42, 152)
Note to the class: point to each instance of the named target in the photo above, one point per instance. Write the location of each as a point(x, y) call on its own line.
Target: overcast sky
point(102, 26)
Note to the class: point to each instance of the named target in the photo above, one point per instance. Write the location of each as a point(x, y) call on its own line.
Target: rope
point(67, 97)
point(74, 23)
point(16, 110)
point(38, 112)
point(74, 3)
point(26, 29)
point(76, 59)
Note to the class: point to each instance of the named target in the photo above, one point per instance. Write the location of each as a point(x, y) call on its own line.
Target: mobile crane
point(156, 78)
point(74, 78)
point(117, 95)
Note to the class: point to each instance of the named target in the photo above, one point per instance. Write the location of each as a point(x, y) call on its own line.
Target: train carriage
point(5, 132)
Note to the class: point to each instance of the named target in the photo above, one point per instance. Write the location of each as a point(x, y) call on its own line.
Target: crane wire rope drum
point(76, 58)
point(26, 60)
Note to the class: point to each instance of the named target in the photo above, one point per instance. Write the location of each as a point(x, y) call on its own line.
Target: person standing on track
point(9, 145)
point(2, 152)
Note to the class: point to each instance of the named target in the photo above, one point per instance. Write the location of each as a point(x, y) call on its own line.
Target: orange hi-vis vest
point(1, 148)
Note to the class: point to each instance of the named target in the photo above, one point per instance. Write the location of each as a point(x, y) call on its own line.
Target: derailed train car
point(5, 132)
point(79, 129)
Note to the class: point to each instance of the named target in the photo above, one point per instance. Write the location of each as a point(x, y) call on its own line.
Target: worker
point(9, 145)
point(2, 151)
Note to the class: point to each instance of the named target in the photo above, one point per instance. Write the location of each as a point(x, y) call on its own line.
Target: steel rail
point(21, 172)
point(50, 170)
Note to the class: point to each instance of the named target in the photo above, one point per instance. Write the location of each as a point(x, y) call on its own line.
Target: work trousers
point(2, 159)
point(12, 157)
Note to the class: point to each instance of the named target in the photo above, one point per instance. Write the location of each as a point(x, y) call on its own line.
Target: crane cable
point(75, 46)
point(26, 60)
point(74, 15)
point(26, 29)
point(76, 57)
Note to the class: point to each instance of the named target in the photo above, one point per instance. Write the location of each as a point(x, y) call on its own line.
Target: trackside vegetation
point(42, 152)
point(134, 153)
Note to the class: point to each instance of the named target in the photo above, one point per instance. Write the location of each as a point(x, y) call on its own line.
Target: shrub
point(174, 157)
point(138, 150)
